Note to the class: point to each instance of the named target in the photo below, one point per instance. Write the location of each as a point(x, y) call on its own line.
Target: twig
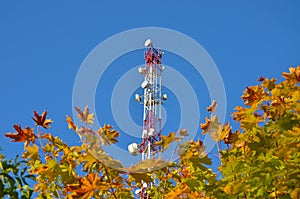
point(39, 136)
point(174, 151)
point(218, 148)
point(108, 177)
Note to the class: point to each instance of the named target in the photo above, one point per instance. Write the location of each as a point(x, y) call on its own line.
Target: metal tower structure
point(152, 99)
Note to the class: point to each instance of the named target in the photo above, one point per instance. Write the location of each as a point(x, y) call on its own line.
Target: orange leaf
point(206, 125)
point(87, 187)
point(40, 120)
point(22, 135)
point(253, 95)
point(293, 76)
point(71, 124)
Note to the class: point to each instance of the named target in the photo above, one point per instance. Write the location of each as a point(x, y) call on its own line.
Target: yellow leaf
point(294, 76)
point(108, 135)
point(32, 152)
point(178, 191)
point(228, 189)
point(166, 140)
point(295, 194)
point(269, 84)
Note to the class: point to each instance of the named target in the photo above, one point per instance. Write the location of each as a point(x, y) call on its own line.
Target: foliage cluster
point(260, 160)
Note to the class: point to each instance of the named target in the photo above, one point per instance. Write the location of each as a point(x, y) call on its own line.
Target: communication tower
point(152, 100)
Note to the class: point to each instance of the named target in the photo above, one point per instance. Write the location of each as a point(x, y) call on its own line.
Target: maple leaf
point(183, 132)
point(108, 135)
point(31, 153)
point(249, 95)
point(253, 95)
point(228, 137)
point(212, 107)
point(167, 140)
point(206, 125)
point(293, 76)
point(148, 165)
point(240, 114)
point(88, 161)
point(269, 84)
point(22, 135)
point(71, 124)
point(221, 132)
point(178, 191)
point(231, 138)
point(141, 171)
point(194, 152)
point(261, 79)
point(87, 187)
point(85, 116)
point(40, 120)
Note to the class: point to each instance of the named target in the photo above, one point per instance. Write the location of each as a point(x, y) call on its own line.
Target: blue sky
point(42, 45)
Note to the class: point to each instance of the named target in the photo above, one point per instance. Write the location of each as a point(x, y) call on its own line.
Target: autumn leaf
point(108, 135)
point(269, 84)
point(234, 187)
point(180, 189)
point(253, 95)
point(87, 187)
point(88, 161)
point(261, 79)
point(31, 152)
point(295, 194)
point(71, 124)
point(229, 189)
point(231, 137)
point(141, 171)
point(22, 135)
point(167, 140)
point(183, 132)
point(40, 120)
point(109, 161)
point(85, 116)
point(221, 133)
point(148, 165)
point(194, 152)
point(294, 76)
point(212, 107)
point(205, 126)
point(140, 177)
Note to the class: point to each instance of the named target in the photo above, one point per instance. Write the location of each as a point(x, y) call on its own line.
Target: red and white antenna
point(152, 99)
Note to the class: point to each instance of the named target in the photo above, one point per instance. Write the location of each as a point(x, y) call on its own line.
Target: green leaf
point(267, 180)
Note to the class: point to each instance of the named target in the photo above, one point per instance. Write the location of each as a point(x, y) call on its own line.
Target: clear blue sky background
point(43, 43)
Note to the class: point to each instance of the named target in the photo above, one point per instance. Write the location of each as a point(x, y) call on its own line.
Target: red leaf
point(40, 120)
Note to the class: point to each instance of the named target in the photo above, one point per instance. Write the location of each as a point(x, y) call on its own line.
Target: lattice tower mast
point(152, 101)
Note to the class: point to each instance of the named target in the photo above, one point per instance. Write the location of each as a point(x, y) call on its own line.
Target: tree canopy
point(261, 158)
